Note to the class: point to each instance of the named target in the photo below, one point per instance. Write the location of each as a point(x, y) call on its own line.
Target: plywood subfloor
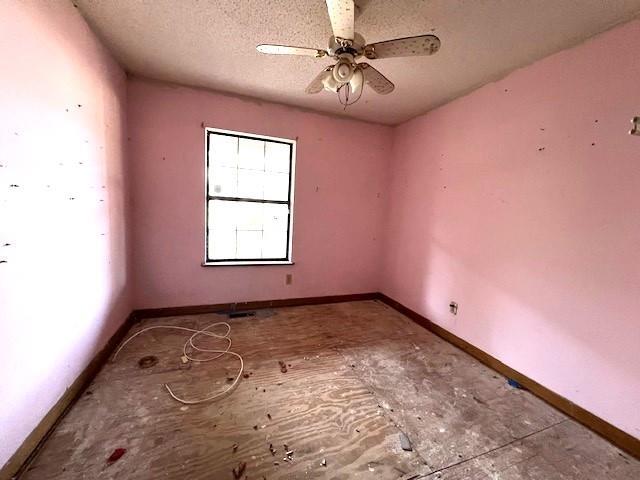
point(358, 374)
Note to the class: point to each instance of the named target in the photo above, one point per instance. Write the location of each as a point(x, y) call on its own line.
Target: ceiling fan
point(347, 77)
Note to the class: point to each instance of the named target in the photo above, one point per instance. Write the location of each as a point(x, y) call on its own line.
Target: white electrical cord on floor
point(190, 344)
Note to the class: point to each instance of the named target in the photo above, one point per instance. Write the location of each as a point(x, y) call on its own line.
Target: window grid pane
point(248, 168)
point(248, 191)
point(247, 230)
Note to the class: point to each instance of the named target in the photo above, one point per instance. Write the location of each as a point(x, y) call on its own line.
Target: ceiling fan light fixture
point(330, 84)
point(356, 83)
point(343, 70)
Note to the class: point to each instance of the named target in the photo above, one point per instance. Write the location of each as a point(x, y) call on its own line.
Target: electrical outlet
point(288, 279)
point(453, 308)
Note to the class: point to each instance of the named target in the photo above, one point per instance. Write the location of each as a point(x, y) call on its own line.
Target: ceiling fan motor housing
point(338, 46)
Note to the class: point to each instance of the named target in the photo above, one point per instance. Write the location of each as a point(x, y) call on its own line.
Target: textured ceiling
point(212, 44)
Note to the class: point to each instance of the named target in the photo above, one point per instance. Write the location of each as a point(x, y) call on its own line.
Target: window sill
point(251, 263)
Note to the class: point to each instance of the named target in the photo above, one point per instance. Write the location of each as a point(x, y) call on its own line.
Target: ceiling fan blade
point(376, 80)
point(403, 47)
point(342, 15)
point(288, 50)
point(317, 84)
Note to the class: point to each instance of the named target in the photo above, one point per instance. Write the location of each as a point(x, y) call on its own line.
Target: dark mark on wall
point(6, 245)
point(542, 129)
point(72, 198)
point(506, 90)
point(593, 144)
point(3, 261)
point(596, 120)
point(79, 105)
point(13, 185)
point(541, 149)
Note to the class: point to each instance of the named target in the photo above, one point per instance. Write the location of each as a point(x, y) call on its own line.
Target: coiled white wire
point(189, 344)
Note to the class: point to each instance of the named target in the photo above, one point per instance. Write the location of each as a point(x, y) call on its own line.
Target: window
point(249, 195)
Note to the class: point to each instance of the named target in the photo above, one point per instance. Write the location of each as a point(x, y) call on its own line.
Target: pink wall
point(64, 282)
point(521, 202)
point(339, 197)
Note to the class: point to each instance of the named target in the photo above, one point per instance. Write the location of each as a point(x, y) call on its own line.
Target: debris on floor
point(148, 361)
point(116, 455)
point(235, 447)
point(283, 366)
point(288, 454)
point(238, 472)
point(514, 384)
point(405, 443)
point(323, 462)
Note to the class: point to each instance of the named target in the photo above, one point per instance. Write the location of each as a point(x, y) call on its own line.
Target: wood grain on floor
point(358, 374)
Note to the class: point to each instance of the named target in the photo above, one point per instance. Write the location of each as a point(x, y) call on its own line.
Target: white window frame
point(208, 262)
